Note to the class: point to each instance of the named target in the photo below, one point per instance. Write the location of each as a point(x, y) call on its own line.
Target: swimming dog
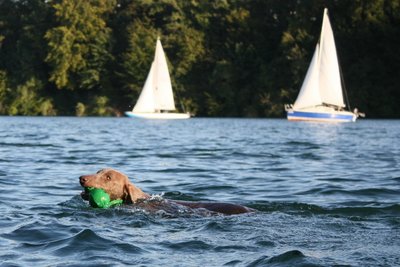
point(118, 186)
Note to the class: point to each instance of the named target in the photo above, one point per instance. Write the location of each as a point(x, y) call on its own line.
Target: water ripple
point(325, 194)
point(88, 241)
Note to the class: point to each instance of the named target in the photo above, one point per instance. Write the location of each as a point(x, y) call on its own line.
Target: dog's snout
point(83, 179)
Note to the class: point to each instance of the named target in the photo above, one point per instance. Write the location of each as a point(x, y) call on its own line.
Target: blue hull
point(316, 116)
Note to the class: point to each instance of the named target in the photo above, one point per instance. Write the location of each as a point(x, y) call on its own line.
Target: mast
point(344, 87)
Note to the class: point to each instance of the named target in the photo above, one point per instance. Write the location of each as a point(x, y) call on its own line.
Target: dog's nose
point(82, 179)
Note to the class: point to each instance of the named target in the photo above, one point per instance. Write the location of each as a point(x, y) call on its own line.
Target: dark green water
point(325, 194)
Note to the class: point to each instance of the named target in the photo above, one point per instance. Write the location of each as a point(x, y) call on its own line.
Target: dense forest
point(243, 58)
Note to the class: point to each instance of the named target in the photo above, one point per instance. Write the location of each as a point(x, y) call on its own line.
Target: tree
point(78, 45)
point(22, 69)
point(227, 58)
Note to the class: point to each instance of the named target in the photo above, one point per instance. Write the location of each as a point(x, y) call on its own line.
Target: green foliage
point(226, 58)
point(22, 26)
point(3, 91)
point(100, 107)
point(25, 100)
point(78, 44)
point(80, 109)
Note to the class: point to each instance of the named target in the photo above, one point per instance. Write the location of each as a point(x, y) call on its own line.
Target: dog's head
point(114, 183)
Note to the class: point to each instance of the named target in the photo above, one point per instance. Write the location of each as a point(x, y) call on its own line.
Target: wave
point(288, 258)
point(66, 242)
point(302, 145)
point(187, 246)
point(356, 209)
point(24, 144)
point(86, 241)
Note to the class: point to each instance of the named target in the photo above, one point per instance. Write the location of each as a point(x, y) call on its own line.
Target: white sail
point(157, 92)
point(162, 81)
point(329, 76)
point(322, 83)
point(309, 95)
point(146, 100)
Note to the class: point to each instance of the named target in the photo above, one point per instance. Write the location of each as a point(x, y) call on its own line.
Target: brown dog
point(118, 186)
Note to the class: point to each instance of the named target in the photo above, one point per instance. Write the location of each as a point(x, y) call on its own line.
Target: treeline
point(227, 58)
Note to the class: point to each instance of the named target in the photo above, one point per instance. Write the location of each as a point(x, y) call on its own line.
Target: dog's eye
point(108, 177)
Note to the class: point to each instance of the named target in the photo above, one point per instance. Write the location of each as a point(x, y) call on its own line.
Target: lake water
point(325, 194)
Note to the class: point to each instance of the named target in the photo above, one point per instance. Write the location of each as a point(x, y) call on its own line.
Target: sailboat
point(156, 101)
point(321, 94)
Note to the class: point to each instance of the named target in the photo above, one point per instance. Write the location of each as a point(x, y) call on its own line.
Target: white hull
point(158, 116)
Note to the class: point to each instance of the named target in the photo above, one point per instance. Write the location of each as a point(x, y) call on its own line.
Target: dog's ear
point(132, 194)
point(129, 197)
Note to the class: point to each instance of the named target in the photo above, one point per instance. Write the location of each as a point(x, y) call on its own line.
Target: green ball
point(98, 198)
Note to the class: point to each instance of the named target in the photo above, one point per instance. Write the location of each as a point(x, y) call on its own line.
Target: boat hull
point(321, 116)
point(158, 116)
